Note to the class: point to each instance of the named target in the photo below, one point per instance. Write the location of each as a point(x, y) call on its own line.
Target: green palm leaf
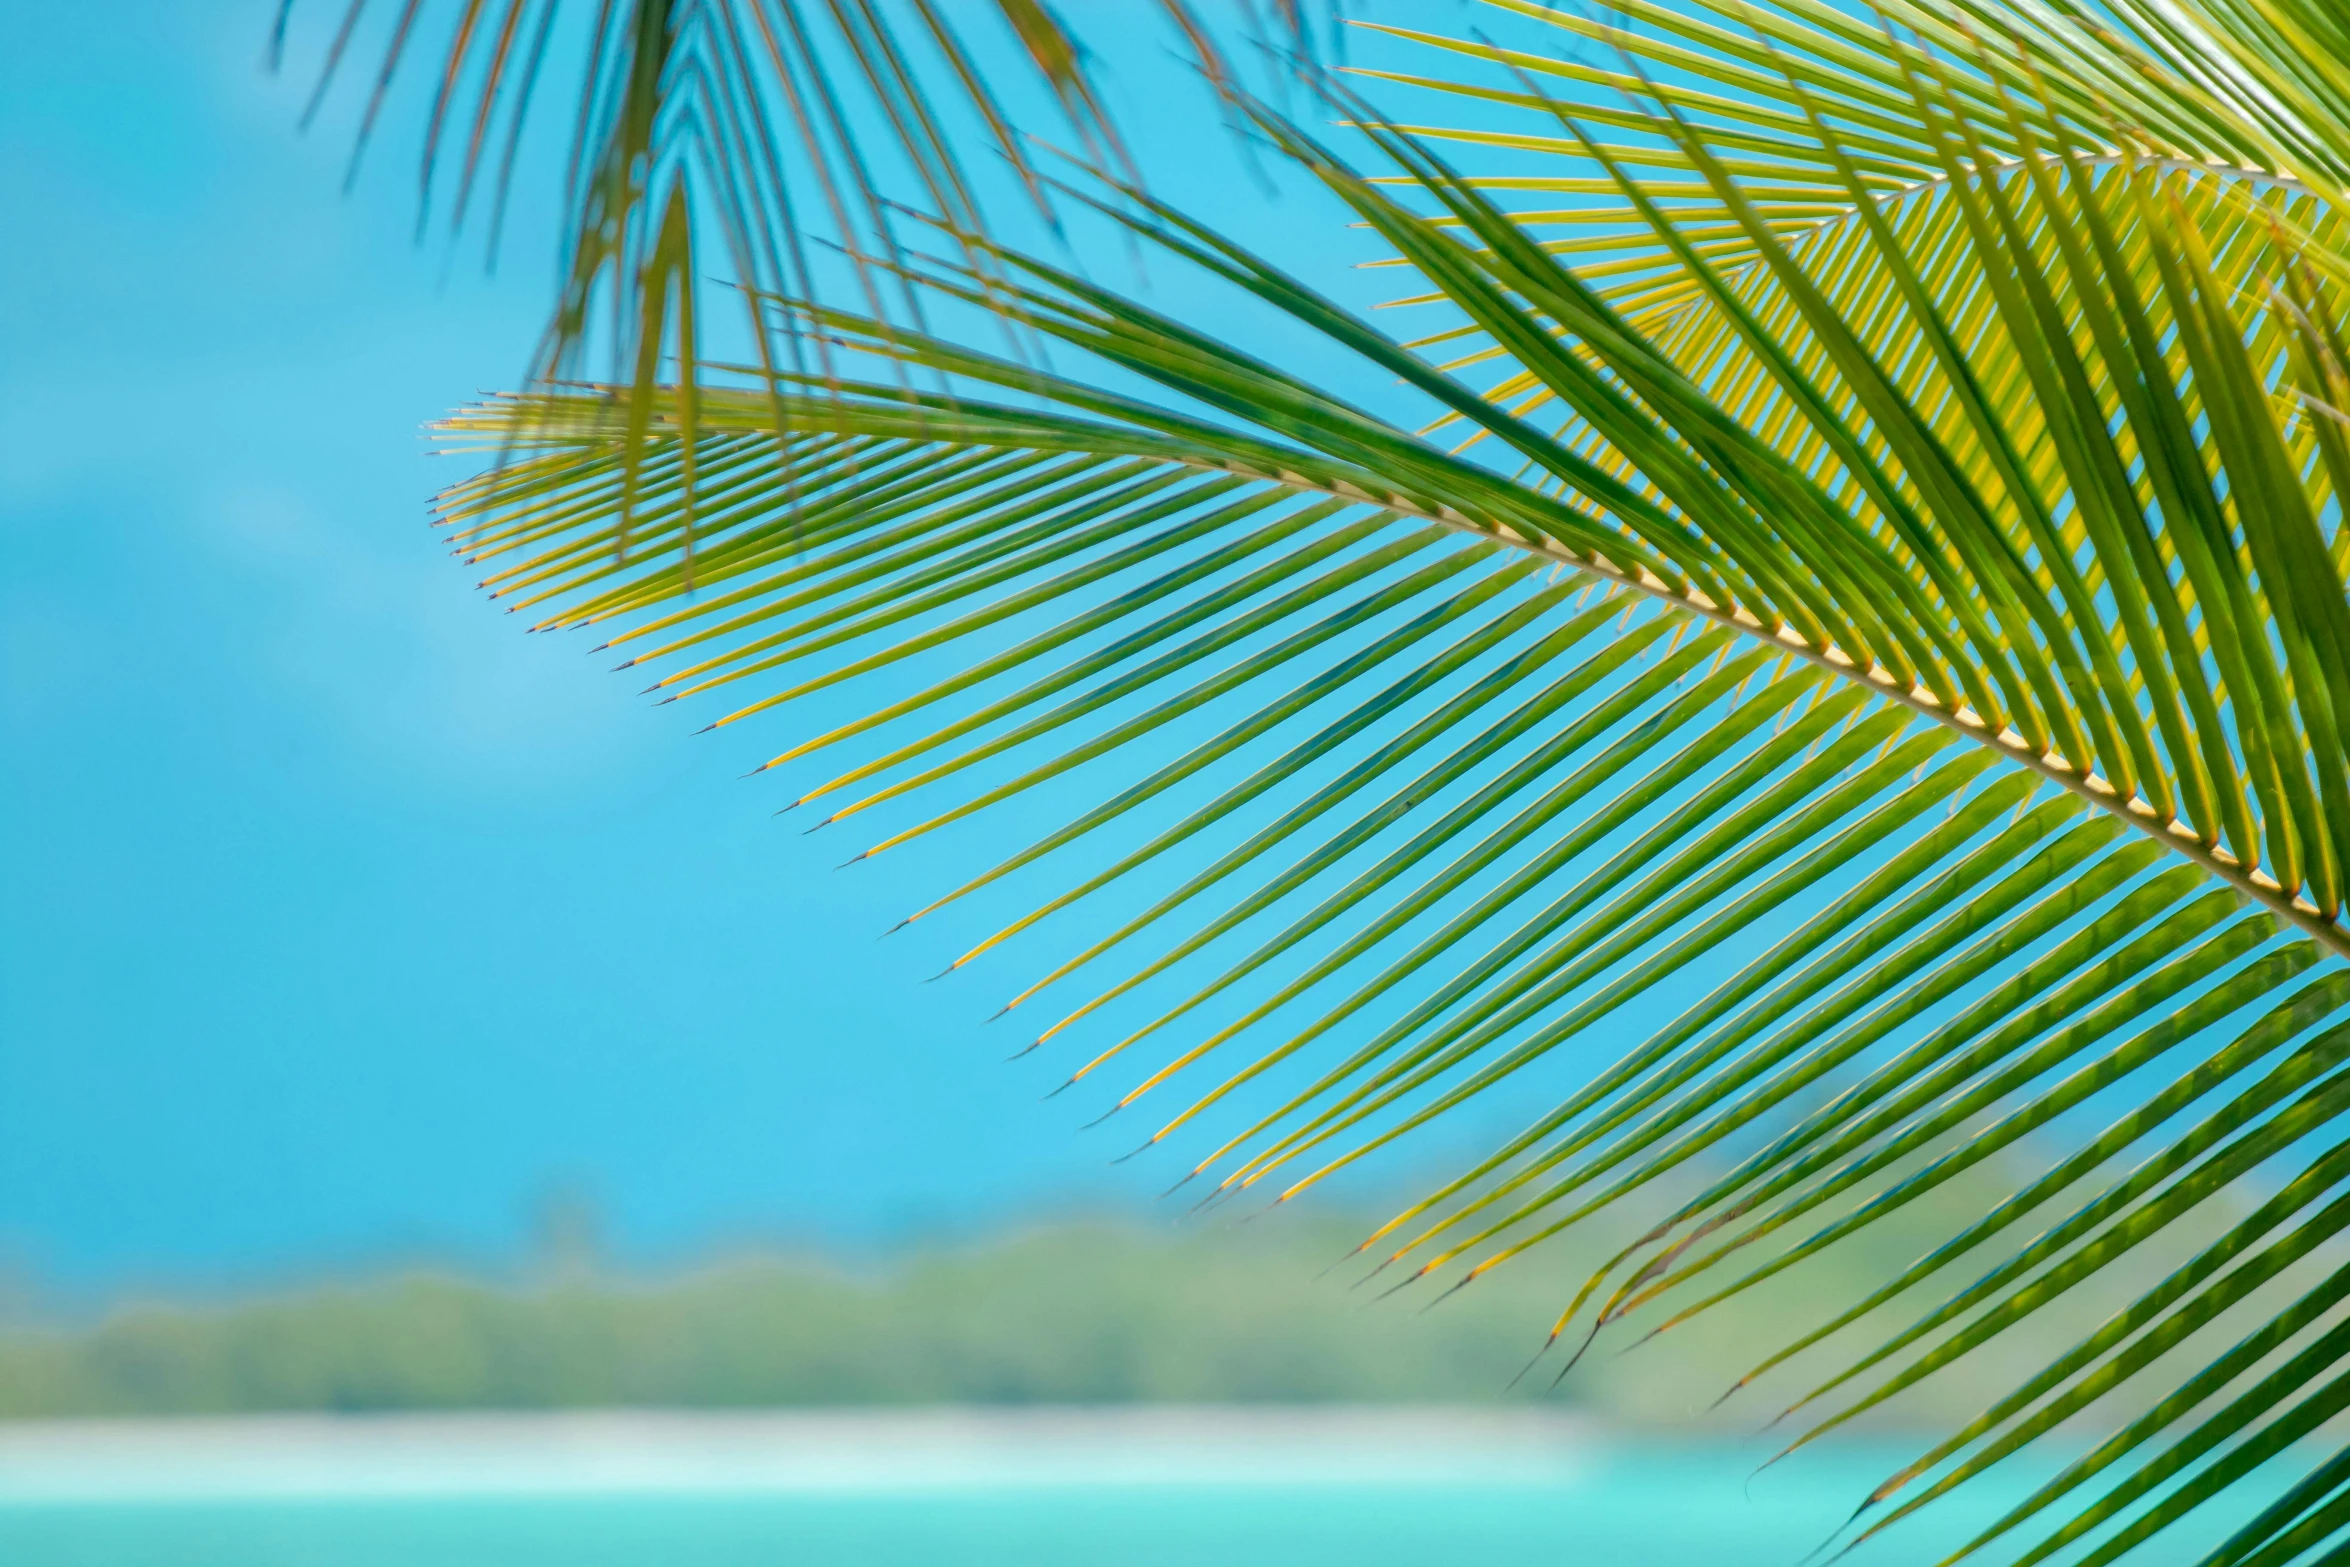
point(1875, 546)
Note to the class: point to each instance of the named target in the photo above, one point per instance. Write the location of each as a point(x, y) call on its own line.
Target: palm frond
point(1886, 562)
point(779, 129)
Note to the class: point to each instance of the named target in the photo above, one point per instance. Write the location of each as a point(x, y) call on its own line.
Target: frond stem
point(2254, 884)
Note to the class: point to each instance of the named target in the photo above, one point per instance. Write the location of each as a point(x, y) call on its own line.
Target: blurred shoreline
point(738, 1452)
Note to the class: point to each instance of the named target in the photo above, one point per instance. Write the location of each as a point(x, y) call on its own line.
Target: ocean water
point(1060, 1490)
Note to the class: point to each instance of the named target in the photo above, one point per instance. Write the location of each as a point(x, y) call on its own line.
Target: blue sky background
point(342, 921)
point(345, 923)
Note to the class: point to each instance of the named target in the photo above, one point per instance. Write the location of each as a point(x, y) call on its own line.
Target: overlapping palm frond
point(791, 133)
point(732, 109)
point(1885, 564)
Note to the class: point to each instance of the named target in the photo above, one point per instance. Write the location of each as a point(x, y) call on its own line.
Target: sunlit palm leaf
point(1894, 563)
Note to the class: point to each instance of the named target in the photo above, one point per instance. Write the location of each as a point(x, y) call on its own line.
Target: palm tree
point(1854, 624)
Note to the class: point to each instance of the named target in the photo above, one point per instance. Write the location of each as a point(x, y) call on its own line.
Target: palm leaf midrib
point(2089, 785)
point(1365, 488)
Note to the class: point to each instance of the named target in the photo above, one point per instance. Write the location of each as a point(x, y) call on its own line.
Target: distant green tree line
point(1092, 1312)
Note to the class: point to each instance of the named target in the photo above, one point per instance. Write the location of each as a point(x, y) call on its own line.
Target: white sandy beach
point(827, 1450)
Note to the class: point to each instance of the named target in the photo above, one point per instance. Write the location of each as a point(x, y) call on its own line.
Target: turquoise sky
point(343, 921)
point(342, 918)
